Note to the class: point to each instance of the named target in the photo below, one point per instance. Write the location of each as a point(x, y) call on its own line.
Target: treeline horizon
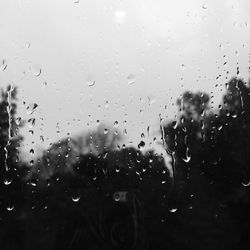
point(204, 200)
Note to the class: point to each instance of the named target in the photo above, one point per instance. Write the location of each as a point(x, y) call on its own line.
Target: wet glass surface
point(124, 125)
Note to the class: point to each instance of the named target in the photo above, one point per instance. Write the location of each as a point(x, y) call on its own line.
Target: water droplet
point(151, 100)
point(116, 197)
point(90, 81)
point(172, 210)
point(3, 65)
point(106, 105)
point(18, 120)
point(10, 208)
point(45, 84)
point(33, 183)
point(31, 122)
point(32, 151)
point(31, 108)
point(41, 138)
point(36, 70)
point(188, 157)
point(220, 127)
point(7, 181)
point(105, 131)
point(204, 6)
point(246, 184)
point(76, 198)
point(76, 1)
point(116, 124)
point(131, 79)
point(141, 145)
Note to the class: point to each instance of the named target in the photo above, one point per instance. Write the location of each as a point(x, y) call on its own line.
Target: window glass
point(124, 124)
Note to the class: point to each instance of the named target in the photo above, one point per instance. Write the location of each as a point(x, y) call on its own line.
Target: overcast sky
point(126, 61)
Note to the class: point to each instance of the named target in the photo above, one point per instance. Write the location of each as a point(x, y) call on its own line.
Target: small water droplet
point(18, 120)
point(90, 81)
point(33, 183)
point(76, 198)
point(131, 79)
point(105, 131)
point(31, 108)
point(116, 197)
point(116, 124)
point(31, 122)
point(10, 208)
point(7, 181)
point(172, 210)
point(141, 145)
point(36, 70)
point(45, 84)
point(3, 65)
point(204, 6)
point(246, 184)
point(188, 156)
point(76, 1)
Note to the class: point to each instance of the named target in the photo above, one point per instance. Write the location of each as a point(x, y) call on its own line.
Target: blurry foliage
point(12, 194)
point(10, 140)
point(212, 170)
point(69, 192)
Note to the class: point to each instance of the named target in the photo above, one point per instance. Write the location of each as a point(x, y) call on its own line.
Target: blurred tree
point(233, 137)
point(10, 140)
point(62, 155)
point(11, 186)
point(211, 153)
point(184, 139)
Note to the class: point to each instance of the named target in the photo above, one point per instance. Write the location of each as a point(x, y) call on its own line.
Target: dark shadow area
point(88, 193)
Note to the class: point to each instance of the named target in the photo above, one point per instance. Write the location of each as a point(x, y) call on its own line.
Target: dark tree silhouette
point(81, 201)
point(11, 186)
point(212, 165)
